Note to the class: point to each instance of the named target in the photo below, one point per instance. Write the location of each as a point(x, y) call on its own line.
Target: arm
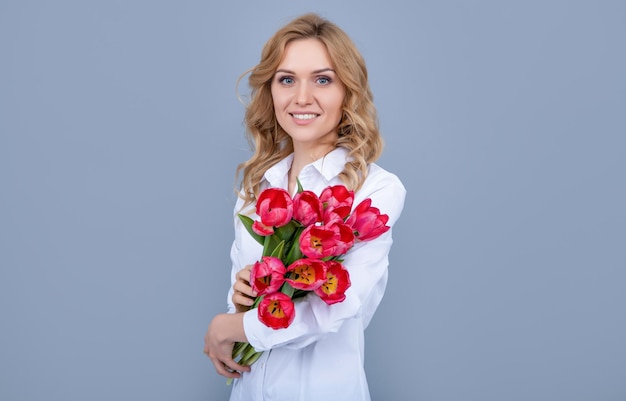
point(227, 328)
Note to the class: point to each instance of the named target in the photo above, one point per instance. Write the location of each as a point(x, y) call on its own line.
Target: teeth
point(304, 116)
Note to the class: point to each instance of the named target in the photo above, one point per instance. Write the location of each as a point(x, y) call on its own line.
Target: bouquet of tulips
point(304, 239)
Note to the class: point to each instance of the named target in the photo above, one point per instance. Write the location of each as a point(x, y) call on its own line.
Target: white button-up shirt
point(319, 357)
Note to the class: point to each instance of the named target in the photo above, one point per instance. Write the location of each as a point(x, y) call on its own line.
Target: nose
point(304, 94)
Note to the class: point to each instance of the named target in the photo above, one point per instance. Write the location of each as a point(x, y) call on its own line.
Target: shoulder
point(239, 207)
point(380, 178)
point(386, 191)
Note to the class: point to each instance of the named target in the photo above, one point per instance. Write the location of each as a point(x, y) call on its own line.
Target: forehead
point(303, 55)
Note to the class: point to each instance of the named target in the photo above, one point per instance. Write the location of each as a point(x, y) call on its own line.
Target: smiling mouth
point(308, 116)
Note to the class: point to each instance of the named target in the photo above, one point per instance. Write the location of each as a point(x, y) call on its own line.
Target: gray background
point(120, 131)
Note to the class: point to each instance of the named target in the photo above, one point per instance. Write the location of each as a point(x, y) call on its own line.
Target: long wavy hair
point(358, 130)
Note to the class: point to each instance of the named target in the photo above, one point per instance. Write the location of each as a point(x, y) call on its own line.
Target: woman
point(311, 118)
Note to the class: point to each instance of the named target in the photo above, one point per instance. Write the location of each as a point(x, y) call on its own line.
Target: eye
point(323, 80)
point(286, 80)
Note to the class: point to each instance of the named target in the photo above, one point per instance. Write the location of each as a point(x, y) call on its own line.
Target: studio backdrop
point(120, 133)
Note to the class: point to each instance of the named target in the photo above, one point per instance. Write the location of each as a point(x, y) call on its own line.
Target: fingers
point(223, 362)
point(244, 288)
point(243, 277)
point(242, 302)
point(242, 291)
point(244, 274)
point(229, 369)
point(243, 295)
point(233, 367)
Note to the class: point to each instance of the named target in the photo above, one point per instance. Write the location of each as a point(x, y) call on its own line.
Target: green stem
point(253, 358)
point(237, 349)
point(249, 351)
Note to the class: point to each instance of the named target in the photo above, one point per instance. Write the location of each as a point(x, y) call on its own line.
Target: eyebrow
point(312, 72)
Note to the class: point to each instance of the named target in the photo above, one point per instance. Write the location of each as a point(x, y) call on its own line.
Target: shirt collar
point(328, 167)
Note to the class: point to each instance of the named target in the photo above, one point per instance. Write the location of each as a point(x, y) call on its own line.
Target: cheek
point(335, 102)
point(279, 99)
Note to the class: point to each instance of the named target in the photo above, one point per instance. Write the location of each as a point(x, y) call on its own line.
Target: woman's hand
point(224, 330)
point(243, 295)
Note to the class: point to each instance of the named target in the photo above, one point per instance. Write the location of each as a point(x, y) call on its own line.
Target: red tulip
point(274, 207)
point(307, 208)
point(306, 274)
point(337, 282)
point(367, 222)
point(276, 310)
point(317, 242)
point(267, 275)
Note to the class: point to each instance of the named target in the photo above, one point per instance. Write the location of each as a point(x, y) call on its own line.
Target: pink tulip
point(337, 282)
point(267, 275)
point(317, 242)
point(336, 214)
point(333, 239)
point(344, 238)
point(367, 221)
point(276, 310)
point(307, 208)
point(306, 274)
point(274, 207)
point(336, 196)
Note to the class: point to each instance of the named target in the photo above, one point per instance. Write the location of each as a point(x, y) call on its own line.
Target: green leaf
point(278, 250)
point(267, 245)
point(287, 289)
point(300, 189)
point(287, 231)
point(247, 223)
point(294, 252)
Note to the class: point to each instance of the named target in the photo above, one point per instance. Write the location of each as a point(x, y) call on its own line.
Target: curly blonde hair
point(358, 130)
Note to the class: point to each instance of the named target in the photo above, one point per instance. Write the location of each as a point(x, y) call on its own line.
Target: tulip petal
point(261, 229)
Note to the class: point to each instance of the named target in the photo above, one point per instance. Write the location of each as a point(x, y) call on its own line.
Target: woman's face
point(307, 95)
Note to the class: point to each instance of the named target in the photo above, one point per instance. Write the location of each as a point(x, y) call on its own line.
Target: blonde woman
point(311, 118)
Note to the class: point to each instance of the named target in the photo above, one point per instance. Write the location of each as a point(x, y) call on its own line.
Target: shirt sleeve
point(367, 264)
point(235, 268)
point(235, 254)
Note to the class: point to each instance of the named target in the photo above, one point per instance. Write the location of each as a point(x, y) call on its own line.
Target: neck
point(303, 156)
